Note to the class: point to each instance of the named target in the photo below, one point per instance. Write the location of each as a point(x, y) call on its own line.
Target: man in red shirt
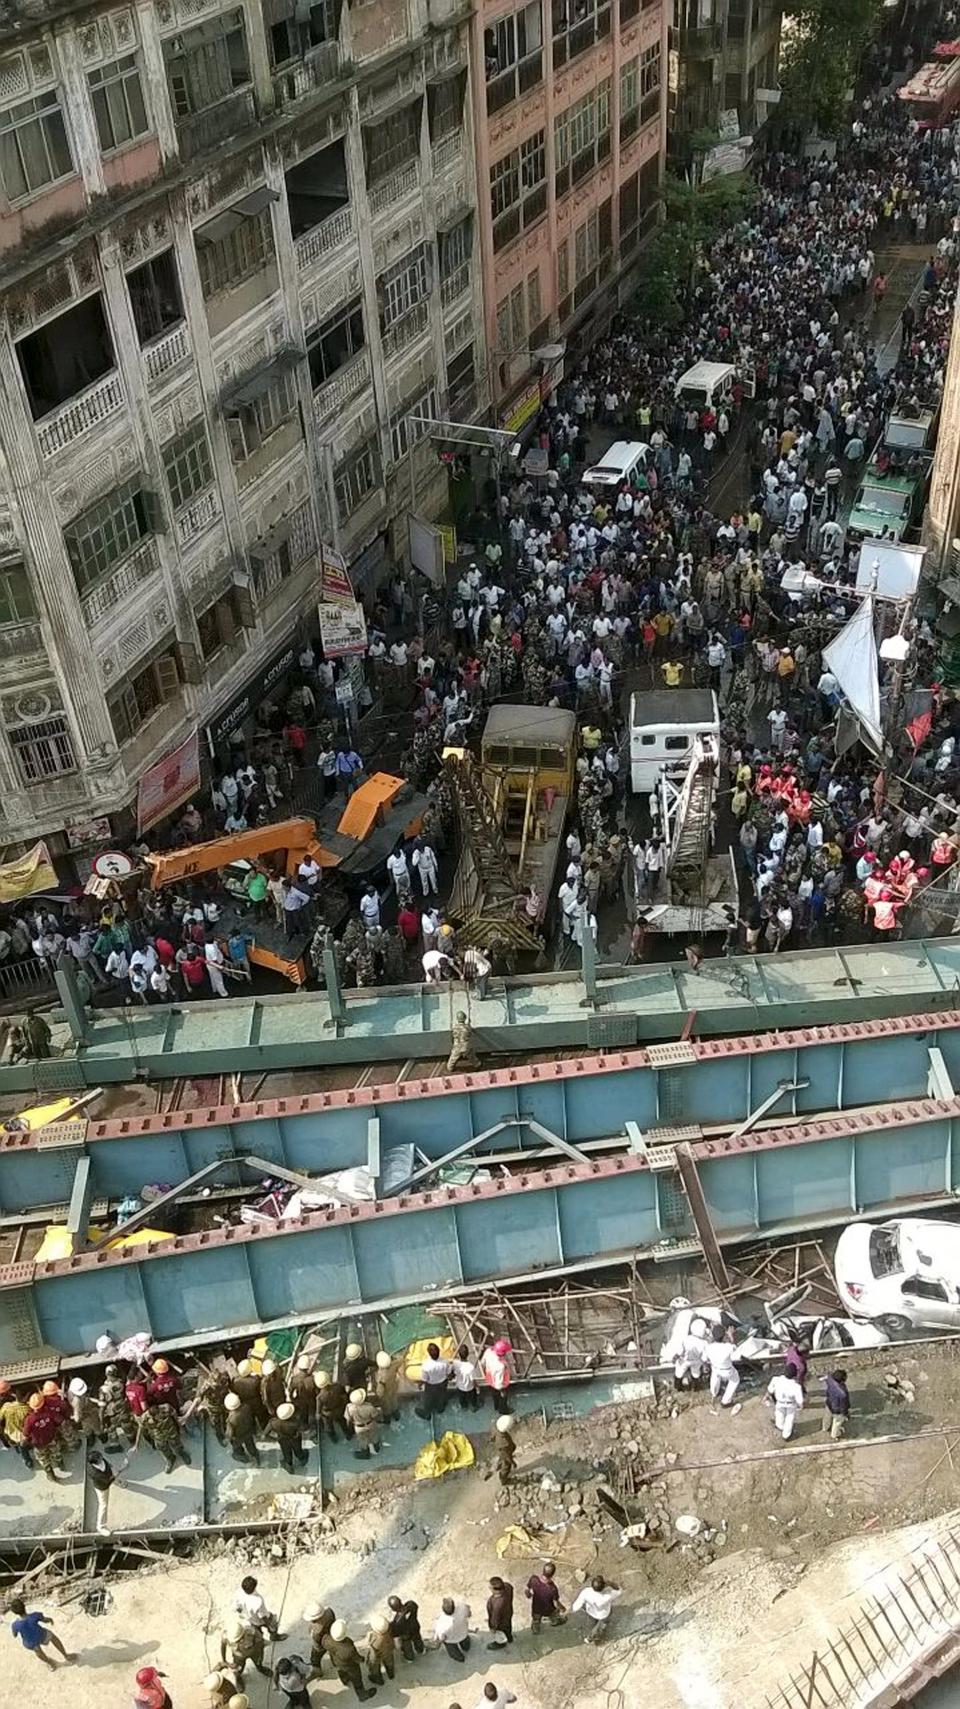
point(193, 972)
point(43, 1434)
point(164, 1385)
point(408, 925)
point(150, 1693)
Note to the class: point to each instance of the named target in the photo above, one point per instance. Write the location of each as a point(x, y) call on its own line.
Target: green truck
point(890, 497)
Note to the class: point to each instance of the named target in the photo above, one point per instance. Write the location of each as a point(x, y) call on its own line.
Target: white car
point(822, 1334)
point(903, 1274)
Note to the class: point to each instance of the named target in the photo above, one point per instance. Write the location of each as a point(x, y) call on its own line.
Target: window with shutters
point(106, 533)
point(577, 24)
point(140, 696)
point(187, 465)
point(513, 55)
point(34, 146)
point(518, 190)
point(294, 27)
point(250, 425)
point(391, 143)
point(217, 626)
point(355, 479)
point(403, 286)
point(206, 64)
point(155, 296)
point(581, 138)
point(43, 750)
point(456, 246)
point(406, 428)
point(17, 604)
point(335, 343)
point(650, 72)
point(629, 98)
point(445, 106)
point(225, 261)
point(117, 95)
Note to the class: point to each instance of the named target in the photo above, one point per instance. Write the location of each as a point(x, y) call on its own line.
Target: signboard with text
point(335, 585)
point(169, 783)
point(256, 691)
point(343, 630)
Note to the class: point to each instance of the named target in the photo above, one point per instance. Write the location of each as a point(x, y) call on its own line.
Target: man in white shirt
point(464, 1373)
point(452, 1628)
point(425, 862)
point(724, 1376)
point(785, 1395)
point(597, 1599)
point(370, 908)
point(252, 1609)
point(692, 1355)
point(434, 1376)
point(435, 964)
point(495, 1696)
point(399, 870)
point(213, 956)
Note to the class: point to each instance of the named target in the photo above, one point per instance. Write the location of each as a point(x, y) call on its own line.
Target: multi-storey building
point(724, 59)
point(570, 103)
point(236, 263)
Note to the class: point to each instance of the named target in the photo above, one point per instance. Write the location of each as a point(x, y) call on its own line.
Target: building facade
point(724, 60)
point(570, 122)
point(236, 264)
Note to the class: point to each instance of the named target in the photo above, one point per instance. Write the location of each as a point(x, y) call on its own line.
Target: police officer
point(241, 1429)
point(285, 1428)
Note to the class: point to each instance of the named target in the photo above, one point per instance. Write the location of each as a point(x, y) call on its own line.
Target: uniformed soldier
point(319, 1620)
point(272, 1390)
point(364, 1415)
point(302, 1390)
point(506, 1447)
point(212, 1390)
point(461, 1043)
point(285, 1428)
point(356, 1366)
point(240, 1644)
point(160, 1426)
point(43, 1436)
point(241, 1429)
point(345, 1657)
point(381, 1650)
point(119, 1424)
point(246, 1384)
point(332, 1401)
point(84, 1410)
point(386, 1383)
point(56, 1403)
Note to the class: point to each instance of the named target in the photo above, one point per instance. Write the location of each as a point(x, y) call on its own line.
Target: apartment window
point(629, 99)
point(406, 430)
point(99, 539)
point(304, 27)
point(17, 604)
point(187, 465)
point(649, 83)
point(65, 356)
point(232, 248)
point(629, 212)
point(251, 422)
point(445, 106)
point(393, 142)
point(336, 343)
point(43, 750)
point(355, 479)
point(155, 296)
point(34, 148)
point(629, 9)
point(456, 246)
point(207, 63)
point(118, 107)
point(143, 695)
point(403, 286)
point(282, 552)
point(577, 24)
point(582, 138)
point(518, 190)
point(218, 624)
point(461, 376)
point(534, 310)
point(513, 55)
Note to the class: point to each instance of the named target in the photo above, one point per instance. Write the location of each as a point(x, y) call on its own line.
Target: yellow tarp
point(41, 1114)
point(516, 1534)
point(26, 876)
point(451, 1454)
point(56, 1241)
point(417, 1352)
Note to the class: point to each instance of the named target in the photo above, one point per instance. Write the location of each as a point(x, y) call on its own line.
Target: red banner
point(169, 783)
point(335, 585)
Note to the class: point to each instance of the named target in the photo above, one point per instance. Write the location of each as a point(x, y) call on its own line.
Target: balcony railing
point(406, 330)
point(197, 516)
point(320, 67)
point(97, 404)
point(343, 386)
point(198, 133)
point(447, 152)
point(104, 599)
point(20, 640)
point(453, 288)
point(323, 238)
point(704, 40)
point(401, 183)
point(166, 353)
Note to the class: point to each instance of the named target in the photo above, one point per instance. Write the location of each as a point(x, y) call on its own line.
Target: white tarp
point(852, 658)
point(889, 570)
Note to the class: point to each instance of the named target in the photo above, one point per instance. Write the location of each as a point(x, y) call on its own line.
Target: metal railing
point(98, 403)
point(401, 183)
point(343, 386)
point(406, 330)
point(319, 67)
point(104, 599)
point(19, 640)
point(197, 516)
point(19, 979)
point(166, 352)
point(199, 132)
point(452, 288)
point(705, 39)
point(323, 238)
point(447, 152)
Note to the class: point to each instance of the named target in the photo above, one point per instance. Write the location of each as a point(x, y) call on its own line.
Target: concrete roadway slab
point(31, 1505)
point(147, 1495)
point(237, 1493)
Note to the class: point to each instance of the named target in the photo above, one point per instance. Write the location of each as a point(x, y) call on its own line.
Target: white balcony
point(197, 517)
point(89, 409)
point(413, 325)
point(20, 640)
point(344, 385)
point(164, 354)
point(320, 67)
point(324, 238)
point(456, 286)
point(104, 600)
point(404, 182)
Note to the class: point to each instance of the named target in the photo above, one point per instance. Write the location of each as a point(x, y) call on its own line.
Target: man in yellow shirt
point(590, 738)
point(672, 672)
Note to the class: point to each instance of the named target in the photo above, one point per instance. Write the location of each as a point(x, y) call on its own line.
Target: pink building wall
point(498, 134)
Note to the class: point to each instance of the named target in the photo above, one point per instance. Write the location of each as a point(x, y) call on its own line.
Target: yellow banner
point(448, 535)
point(27, 875)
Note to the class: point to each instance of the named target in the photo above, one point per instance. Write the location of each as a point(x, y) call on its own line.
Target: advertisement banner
point(522, 409)
point(92, 834)
point(448, 534)
point(169, 783)
point(427, 550)
point(335, 586)
point(27, 875)
point(343, 630)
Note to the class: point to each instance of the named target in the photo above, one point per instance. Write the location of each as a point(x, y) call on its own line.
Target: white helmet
point(232, 1401)
point(267, 1368)
point(384, 1361)
point(311, 1612)
point(285, 1410)
point(354, 1351)
point(213, 1682)
point(379, 1623)
point(357, 1397)
point(321, 1379)
point(304, 1363)
point(504, 1422)
point(338, 1629)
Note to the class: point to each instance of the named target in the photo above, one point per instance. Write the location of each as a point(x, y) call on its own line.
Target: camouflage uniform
point(213, 1387)
point(161, 1429)
point(119, 1423)
point(461, 1044)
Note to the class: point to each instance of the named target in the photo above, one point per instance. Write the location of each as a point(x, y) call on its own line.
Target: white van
point(618, 464)
point(664, 724)
point(903, 1274)
point(707, 385)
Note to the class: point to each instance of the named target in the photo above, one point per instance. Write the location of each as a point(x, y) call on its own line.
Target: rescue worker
point(356, 1367)
point(241, 1429)
point(13, 1416)
point(208, 1402)
point(332, 1402)
point(689, 1363)
point(319, 1620)
point(496, 1372)
point(544, 1597)
point(302, 1390)
point(364, 1416)
point(163, 1385)
point(84, 1410)
point(785, 1395)
point(43, 1435)
point(285, 1428)
point(386, 1383)
point(38, 1035)
point(246, 1384)
point(221, 1686)
point(272, 1390)
point(462, 1052)
point(119, 1424)
point(160, 1427)
point(405, 1626)
point(240, 1644)
point(724, 1376)
point(381, 1650)
point(506, 1447)
point(57, 1404)
point(345, 1657)
point(500, 1613)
